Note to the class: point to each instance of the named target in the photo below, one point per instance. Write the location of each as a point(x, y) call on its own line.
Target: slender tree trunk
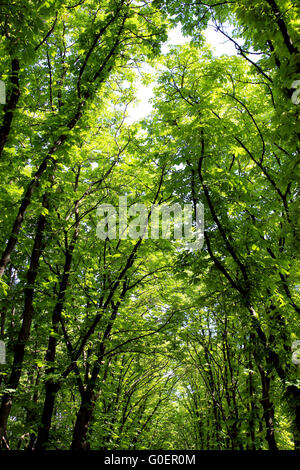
point(83, 419)
point(11, 104)
point(52, 387)
point(19, 349)
point(268, 409)
point(214, 399)
point(32, 413)
point(251, 408)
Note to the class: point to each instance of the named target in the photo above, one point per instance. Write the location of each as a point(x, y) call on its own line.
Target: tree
point(207, 106)
point(144, 342)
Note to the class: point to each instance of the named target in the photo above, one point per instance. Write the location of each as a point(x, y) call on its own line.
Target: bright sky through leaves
point(220, 46)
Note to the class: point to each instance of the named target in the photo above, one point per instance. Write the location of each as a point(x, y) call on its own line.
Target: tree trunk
point(19, 349)
point(43, 432)
point(11, 103)
point(268, 409)
point(84, 417)
point(51, 387)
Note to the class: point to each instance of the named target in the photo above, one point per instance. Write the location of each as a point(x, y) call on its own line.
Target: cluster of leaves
point(144, 344)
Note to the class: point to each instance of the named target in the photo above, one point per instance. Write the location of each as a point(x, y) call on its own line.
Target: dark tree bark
point(11, 104)
point(83, 419)
point(19, 348)
point(51, 386)
point(268, 409)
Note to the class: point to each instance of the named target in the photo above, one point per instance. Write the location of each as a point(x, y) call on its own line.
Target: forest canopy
point(116, 332)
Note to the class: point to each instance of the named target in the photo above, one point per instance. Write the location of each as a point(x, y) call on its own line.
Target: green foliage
point(144, 344)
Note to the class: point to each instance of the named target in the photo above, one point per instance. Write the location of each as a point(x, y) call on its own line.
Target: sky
point(220, 46)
